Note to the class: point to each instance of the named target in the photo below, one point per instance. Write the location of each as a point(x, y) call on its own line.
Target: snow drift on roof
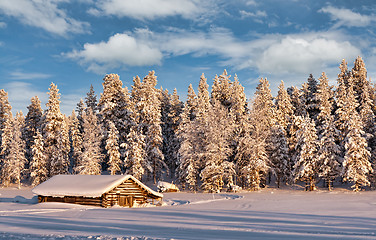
point(84, 185)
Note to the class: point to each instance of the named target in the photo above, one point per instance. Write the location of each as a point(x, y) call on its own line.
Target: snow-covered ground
point(268, 214)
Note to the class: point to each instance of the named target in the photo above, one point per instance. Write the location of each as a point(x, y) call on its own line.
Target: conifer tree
point(285, 109)
point(277, 148)
point(310, 97)
point(191, 103)
point(38, 164)
point(13, 151)
point(75, 136)
point(328, 150)
point(112, 147)
point(91, 100)
point(91, 157)
point(32, 124)
point(297, 101)
point(80, 109)
point(56, 134)
point(134, 162)
point(5, 110)
point(306, 165)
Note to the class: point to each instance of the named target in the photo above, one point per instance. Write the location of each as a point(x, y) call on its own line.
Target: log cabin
point(97, 190)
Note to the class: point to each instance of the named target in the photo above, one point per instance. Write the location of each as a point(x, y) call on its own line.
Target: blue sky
point(74, 43)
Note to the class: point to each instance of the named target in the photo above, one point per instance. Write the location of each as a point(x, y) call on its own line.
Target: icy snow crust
point(83, 185)
point(268, 214)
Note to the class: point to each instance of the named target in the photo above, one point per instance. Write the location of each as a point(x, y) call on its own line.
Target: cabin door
point(126, 201)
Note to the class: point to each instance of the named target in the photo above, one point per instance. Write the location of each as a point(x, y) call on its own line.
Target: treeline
point(214, 140)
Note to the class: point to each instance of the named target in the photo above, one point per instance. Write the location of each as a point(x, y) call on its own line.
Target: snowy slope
point(268, 214)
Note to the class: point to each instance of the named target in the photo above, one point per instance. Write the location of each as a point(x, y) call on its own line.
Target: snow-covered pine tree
point(80, 109)
point(115, 106)
point(277, 148)
point(297, 101)
point(5, 110)
point(216, 169)
point(56, 134)
point(91, 157)
point(221, 90)
point(148, 117)
point(134, 162)
point(75, 137)
point(310, 98)
point(191, 102)
point(13, 151)
point(91, 100)
point(356, 164)
point(32, 124)
point(328, 150)
point(306, 165)
point(38, 164)
point(285, 109)
point(112, 147)
point(359, 77)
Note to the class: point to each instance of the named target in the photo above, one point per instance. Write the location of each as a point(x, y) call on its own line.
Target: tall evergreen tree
point(75, 136)
point(32, 124)
point(305, 168)
point(38, 164)
point(112, 147)
point(89, 162)
point(56, 135)
point(134, 162)
point(285, 109)
point(5, 110)
point(91, 100)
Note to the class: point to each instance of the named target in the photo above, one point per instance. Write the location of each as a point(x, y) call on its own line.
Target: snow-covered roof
point(84, 185)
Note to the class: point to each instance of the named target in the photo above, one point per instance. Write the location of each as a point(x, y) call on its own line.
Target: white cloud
point(304, 54)
point(3, 25)
point(44, 14)
point(120, 50)
point(257, 14)
point(19, 75)
point(148, 9)
point(346, 17)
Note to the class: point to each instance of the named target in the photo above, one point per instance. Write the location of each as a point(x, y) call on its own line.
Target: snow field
point(267, 214)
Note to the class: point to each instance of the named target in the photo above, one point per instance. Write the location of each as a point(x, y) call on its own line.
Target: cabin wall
point(71, 199)
point(126, 194)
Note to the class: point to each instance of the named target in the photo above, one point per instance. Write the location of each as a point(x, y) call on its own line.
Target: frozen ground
point(268, 214)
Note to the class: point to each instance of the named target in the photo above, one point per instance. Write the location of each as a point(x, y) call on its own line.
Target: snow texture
point(84, 185)
point(266, 214)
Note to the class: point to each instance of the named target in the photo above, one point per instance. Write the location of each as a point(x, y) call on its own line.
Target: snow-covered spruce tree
point(277, 148)
point(191, 102)
point(305, 168)
point(171, 110)
point(356, 164)
point(91, 157)
point(38, 164)
point(5, 110)
point(216, 169)
point(56, 134)
point(91, 100)
point(13, 151)
point(32, 124)
point(251, 158)
point(115, 106)
point(310, 97)
point(75, 137)
point(296, 96)
point(359, 77)
point(294, 148)
point(328, 150)
point(188, 168)
point(112, 147)
point(285, 109)
point(134, 162)
point(221, 90)
point(80, 109)
point(148, 118)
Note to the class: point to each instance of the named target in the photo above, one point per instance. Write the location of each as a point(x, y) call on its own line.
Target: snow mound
point(183, 199)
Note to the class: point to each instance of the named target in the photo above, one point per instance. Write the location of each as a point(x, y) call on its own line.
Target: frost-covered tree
point(221, 90)
point(5, 110)
point(216, 169)
point(310, 97)
point(91, 100)
point(277, 148)
point(13, 151)
point(134, 162)
point(38, 164)
point(284, 107)
point(75, 136)
point(32, 124)
point(306, 164)
point(112, 147)
point(56, 134)
point(146, 99)
point(91, 156)
point(328, 149)
point(80, 109)
point(296, 96)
